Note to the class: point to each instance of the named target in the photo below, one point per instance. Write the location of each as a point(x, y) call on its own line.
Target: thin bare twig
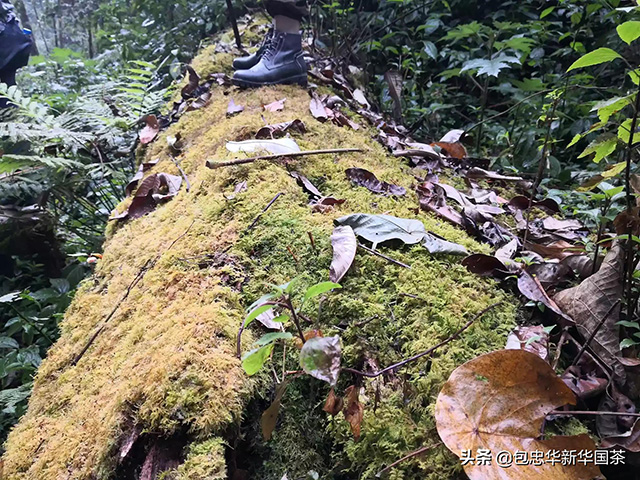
point(589, 412)
point(541, 166)
point(407, 457)
point(242, 161)
point(140, 275)
point(425, 353)
point(257, 219)
point(184, 175)
point(629, 198)
point(378, 254)
point(561, 342)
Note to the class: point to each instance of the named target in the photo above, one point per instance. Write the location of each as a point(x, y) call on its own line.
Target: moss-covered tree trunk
point(161, 388)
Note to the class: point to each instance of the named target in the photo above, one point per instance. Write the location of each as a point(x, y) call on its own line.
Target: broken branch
point(242, 161)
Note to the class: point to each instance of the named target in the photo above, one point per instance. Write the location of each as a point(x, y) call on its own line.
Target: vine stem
point(629, 198)
point(426, 352)
point(541, 166)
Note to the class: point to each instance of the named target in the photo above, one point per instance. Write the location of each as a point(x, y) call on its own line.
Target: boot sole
point(297, 79)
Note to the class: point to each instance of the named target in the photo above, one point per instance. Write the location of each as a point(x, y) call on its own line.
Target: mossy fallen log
point(160, 393)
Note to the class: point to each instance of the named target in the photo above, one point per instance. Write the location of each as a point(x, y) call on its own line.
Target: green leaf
point(431, 50)
point(607, 108)
point(269, 338)
point(598, 56)
point(8, 342)
point(253, 361)
point(576, 139)
point(634, 75)
point(254, 313)
point(491, 67)
point(629, 31)
point(627, 342)
point(613, 171)
point(628, 324)
point(624, 132)
point(319, 289)
point(320, 358)
point(546, 12)
point(601, 148)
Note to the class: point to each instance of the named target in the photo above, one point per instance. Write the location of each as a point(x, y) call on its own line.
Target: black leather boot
point(245, 63)
point(282, 63)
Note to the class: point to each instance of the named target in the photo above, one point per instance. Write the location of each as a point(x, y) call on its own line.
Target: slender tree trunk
point(90, 36)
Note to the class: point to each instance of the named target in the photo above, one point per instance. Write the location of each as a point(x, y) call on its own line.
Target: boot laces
point(272, 47)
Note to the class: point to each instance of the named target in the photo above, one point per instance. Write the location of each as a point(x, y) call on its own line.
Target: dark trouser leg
point(8, 76)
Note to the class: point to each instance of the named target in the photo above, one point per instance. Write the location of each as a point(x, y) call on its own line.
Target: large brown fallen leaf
point(589, 302)
point(364, 178)
point(344, 244)
point(150, 131)
point(498, 401)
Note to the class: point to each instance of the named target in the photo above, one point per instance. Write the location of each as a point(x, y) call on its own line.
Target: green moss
point(167, 357)
point(205, 461)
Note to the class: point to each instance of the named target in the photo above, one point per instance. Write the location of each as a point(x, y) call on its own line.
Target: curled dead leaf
point(353, 410)
point(333, 405)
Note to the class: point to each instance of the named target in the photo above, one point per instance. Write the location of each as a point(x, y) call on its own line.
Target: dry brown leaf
point(486, 266)
point(276, 106)
point(368, 180)
point(531, 288)
point(278, 130)
point(233, 109)
point(133, 183)
point(353, 410)
point(453, 150)
point(317, 108)
point(192, 85)
point(498, 401)
point(270, 415)
point(333, 405)
point(480, 173)
point(150, 131)
point(532, 338)
point(589, 302)
point(344, 244)
point(522, 203)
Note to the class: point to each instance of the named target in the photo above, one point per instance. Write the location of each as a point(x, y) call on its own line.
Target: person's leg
point(8, 76)
point(282, 61)
point(286, 24)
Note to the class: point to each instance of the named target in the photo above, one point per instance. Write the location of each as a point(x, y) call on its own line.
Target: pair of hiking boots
point(278, 61)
